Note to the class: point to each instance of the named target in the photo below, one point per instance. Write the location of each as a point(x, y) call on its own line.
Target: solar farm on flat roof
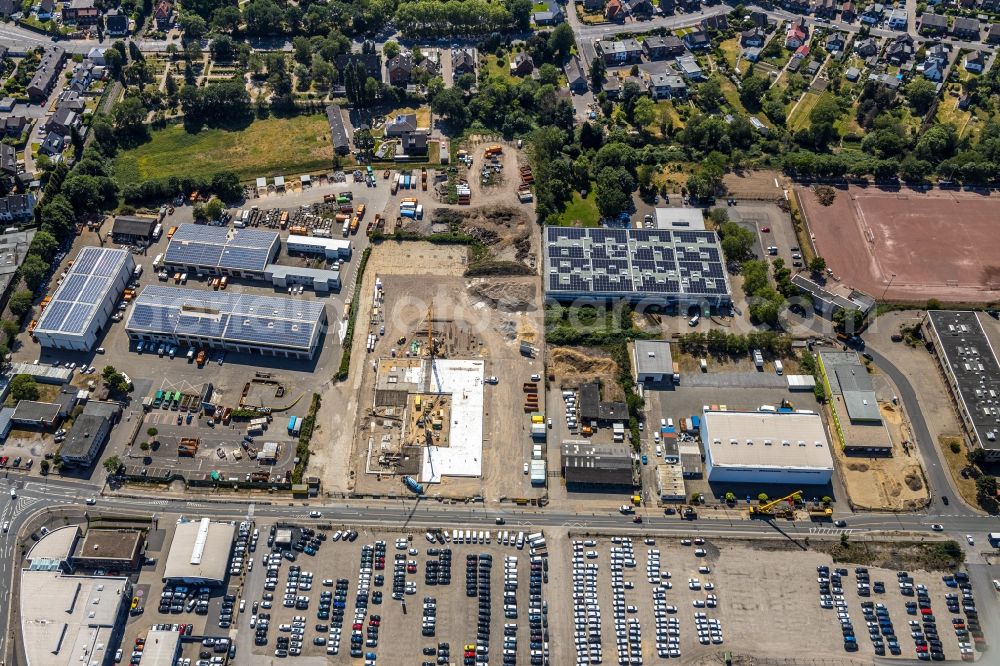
point(261, 322)
point(217, 248)
point(83, 291)
point(659, 264)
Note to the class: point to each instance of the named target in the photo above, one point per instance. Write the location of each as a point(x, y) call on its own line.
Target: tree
point(44, 244)
point(23, 387)
point(108, 372)
point(20, 303)
point(263, 17)
point(976, 456)
point(762, 498)
point(613, 191)
point(737, 242)
point(112, 464)
point(227, 19)
point(152, 432)
point(921, 93)
point(597, 71)
point(391, 50)
point(194, 26)
point(730, 498)
point(365, 142)
point(214, 208)
point(115, 63)
point(128, 117)
point(223, 48)
point(144, 446)
point(44, 466)
point(986, 491)
point(817, 266)
point(752, 92)
point(644, 113)
point(561, 41)
point(520, 11)
point(34, 270)
point(450, 103)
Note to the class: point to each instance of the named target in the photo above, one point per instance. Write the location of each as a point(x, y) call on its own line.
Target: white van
point(694, 320)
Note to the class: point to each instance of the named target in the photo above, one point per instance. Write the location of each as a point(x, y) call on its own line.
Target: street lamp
point(893, 277)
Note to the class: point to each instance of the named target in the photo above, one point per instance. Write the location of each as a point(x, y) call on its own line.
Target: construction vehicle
point(820, 513)
point(764, 510)
point(200, 358)
point(412, 484)
point(495, 149)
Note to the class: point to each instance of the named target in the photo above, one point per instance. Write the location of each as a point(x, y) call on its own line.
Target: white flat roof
point(315, 241)
point(464, 454)
point(160, 648)
point(200, 551)
point(680, 218)
point(766, 439)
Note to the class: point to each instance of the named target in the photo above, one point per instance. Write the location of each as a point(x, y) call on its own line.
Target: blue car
point(645, 460)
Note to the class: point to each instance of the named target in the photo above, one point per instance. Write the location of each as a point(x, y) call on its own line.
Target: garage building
point(243, 323)
point(789, 448)
point(653, 363)
point(132, 229)
point(196, 248)
point(85, 300)
point(199, 552)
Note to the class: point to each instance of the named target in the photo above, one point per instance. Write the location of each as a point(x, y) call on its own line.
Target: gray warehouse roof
point(200, 551)
point(585, 462)
point(80, 439)
point(218, 248)
point(83, 291)
point(161, 648)
point(849, 378)
point(634, 263)
point(270, 321)
point(653, 357)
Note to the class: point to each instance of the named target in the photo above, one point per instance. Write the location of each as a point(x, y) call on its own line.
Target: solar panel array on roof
point(83, 291)
point(634, 263)
point(217, 248)
point(264, 321)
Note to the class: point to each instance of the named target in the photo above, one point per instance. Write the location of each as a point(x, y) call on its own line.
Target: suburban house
point(399, 69)
point(551, 16)
point(612, 87)
point(852, 74)
point(717, 22)
point(7, 8)
point(667, 6)
point(848, 12)
point(44, 9)
point(933, 24)
point(16, 207)
point(758, 18)
point(966, 28)
point(689, 68)
point(593, 5)
point(70, 99)
point(753, 37)
point(463, 62)
point(401, 124)
point(835, 42)
point(751, 53)
point(338, 132)
point(47, 74)
point(796, 35)
point(116, 23)
point(372, 63)
point(824, 8)
point(431, 64)
point(641, 9)
point(412, 144)
point(934, 64)
point(63, 121)
point(13, 125)
point(897, 19)
point(899, 50)
point(522, 64)
point(993, 36)
point(163, 15)
point(873, 13)
point(667, 85)
point(619, 52)
point(575, 76)
point(96, 55)
point(866, 48)
point(615, 11)
point(974, 62)
point(81, 12)
point(657, 48)
point(8, 159)
point(697, 40)
point(53, 144)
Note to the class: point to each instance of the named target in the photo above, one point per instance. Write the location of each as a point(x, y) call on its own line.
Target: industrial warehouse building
point(162, 648)
point(331, 248)
point(667, 268)
point(113, 550)
point(855, 404)
point(972, 373)
point(587, 464)
point(85, 300)
point(85, 439)
point(68, 620)
point(653, 363)
point(789, 448)
point(318, 279)
point(205, 250)
point(242, 323)
point(132, 229)
point(199, 552)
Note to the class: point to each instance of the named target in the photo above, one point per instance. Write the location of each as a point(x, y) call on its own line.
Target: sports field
point(941, 244)
point(270, 147)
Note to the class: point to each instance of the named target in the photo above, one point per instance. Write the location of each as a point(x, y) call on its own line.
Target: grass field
point(948, 112)
point(732, 95)
point(800, 117)
point(498, 71)
point(731, 49)
point(271, 147)
point(668, 114)
point(581, 212)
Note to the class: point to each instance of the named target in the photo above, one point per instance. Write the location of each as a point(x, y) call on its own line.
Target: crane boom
point(765, 509)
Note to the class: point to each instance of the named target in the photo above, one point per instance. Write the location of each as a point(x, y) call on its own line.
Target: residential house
point(752, 53)
point(7, 7)
point(372, 62)
point(753, 37)
point(522, 64)
point(966, 28)
point(657, 48)
point(116, 23)
point(873, 14)
point(866, 48)
point(338, 132)
point(796, 6)
point(44, 9)
point(690, 5)
point(163, 15)
point(812, 68)
point(641, 9)
point(933, 24)
point(796, 36)
point(593, 5)
point(759, 18)
point(412, 144)
point(399, 69)
point(835, 42)
point(552, 15)
point(430, 63)
point(897, 19)
point(697, 40)
point(934, 64)
point(974, 62)
point(13, 126)
point(8, 159)
point(16, 207)
point(619, 52)
point(47, 73)
point(824, 8)
point(402, 124)
point(667, 6)
point(852, 74)
point(615, 11)
point(81, 12)
point(463, 61)
point(70, 99)
point(887, 81)
point(993, 36)
point(689, 68)
point(717, 22)
point(667, 86)
point(575, 76)
point(63, 121)
point(612, 87)
point(848, 12)
point(899, 50)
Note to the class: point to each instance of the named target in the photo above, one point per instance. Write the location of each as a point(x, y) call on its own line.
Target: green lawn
point(581, 212)
point(731, 49)
point(496, 70)
point(800, 118)
point(271, 147)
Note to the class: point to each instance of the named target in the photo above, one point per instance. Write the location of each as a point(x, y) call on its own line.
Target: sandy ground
point(573, 367)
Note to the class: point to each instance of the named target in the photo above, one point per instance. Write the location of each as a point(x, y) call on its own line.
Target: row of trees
point(434, 18)
point(266, 17)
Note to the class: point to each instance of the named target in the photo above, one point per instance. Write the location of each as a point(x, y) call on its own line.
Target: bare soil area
point(574, 366)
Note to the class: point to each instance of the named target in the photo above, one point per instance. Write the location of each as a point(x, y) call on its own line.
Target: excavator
point(764, 510)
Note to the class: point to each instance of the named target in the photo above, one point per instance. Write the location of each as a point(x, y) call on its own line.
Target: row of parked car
point(628, 632)
point(586, 609)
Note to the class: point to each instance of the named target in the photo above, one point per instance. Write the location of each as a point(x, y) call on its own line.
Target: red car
point(357, 626)
point(925, 611)
point(765, 229)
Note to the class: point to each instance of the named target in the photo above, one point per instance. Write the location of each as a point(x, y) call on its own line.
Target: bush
point(23, 387)
point(345, 359)
point(955, 447)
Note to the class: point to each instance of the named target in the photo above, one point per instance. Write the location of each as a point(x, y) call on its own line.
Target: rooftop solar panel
point(215, 248)
point(85, 288)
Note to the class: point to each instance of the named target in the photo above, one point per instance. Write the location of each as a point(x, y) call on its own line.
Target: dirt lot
point(936, 245)
point(466, 319)
point(763, 607)
point(573, 367)
point(399, 638)
point(754, 184)
point(505, 230)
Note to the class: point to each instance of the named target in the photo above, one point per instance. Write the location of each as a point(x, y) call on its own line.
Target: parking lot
point(333, 594)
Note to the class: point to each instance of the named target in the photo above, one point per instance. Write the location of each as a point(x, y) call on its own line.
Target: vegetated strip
point(305, 435)
point(345, 359)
